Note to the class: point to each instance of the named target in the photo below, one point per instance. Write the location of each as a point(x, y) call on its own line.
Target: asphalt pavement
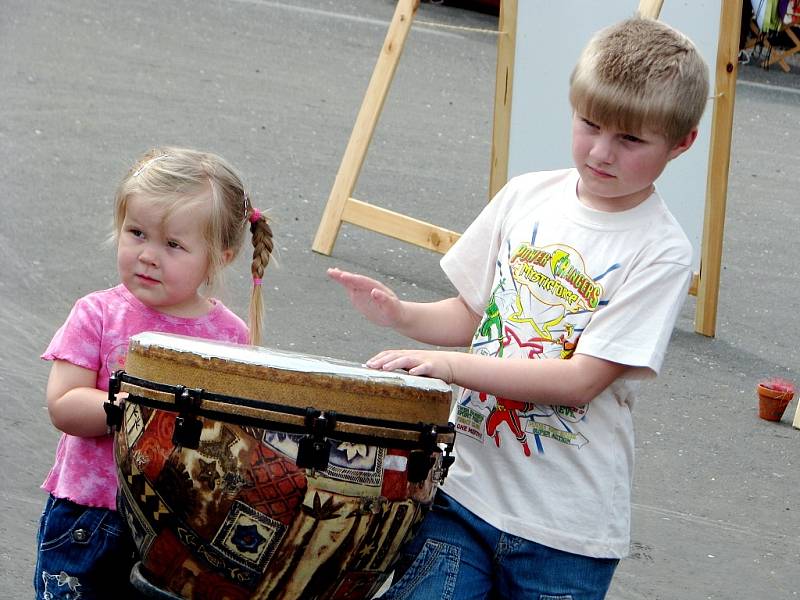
point(88, 85)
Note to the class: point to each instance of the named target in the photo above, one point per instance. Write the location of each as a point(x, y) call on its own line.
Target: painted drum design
point(272, 475)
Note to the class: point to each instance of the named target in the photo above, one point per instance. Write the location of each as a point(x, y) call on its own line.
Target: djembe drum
point(246, 472)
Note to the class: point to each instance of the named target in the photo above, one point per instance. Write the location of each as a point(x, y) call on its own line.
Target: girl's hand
point(371, 298)
point(429, 363)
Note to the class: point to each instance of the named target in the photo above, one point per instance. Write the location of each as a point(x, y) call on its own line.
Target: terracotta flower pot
point(772, 403)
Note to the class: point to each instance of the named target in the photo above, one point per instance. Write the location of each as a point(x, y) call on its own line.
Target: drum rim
point(152, 345)
point(406, 433)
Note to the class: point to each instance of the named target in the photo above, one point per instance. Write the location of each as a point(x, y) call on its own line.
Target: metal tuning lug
point(187, 426)
point(421, 460)
point(419, 465)
point(313, 449)
point(113, 411)
point(448, 459)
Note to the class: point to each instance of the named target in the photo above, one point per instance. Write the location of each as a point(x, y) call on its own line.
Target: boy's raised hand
point(375, 301)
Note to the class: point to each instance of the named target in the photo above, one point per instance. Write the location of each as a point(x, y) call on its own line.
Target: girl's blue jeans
point(458, 556)
point(83, 552)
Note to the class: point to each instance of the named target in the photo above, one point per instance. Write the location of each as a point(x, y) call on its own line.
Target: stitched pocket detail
point(432, 574)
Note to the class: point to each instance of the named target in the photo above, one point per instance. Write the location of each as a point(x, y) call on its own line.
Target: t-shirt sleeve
point(635, 327)
point(242, 333)
point(78, 340)
point(470, 263)
point(227, 327)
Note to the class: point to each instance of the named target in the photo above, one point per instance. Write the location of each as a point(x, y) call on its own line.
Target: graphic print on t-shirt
point(542, 300)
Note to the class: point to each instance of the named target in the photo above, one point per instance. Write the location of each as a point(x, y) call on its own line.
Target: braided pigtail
point(262, 251)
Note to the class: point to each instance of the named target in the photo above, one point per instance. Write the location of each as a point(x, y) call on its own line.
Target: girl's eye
point(174, 244)
point(136, 232)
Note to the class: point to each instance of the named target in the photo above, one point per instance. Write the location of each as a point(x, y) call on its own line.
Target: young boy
point(585, 265)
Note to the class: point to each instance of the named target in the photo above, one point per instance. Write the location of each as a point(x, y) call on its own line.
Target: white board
point(549, 38)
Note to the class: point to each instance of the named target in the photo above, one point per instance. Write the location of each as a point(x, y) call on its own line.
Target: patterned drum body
point(231, 513)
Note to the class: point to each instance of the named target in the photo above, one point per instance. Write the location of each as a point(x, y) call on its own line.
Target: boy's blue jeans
point(458, 556)
point(83, 552)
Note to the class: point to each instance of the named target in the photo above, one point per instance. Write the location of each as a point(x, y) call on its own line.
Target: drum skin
point(236, 518)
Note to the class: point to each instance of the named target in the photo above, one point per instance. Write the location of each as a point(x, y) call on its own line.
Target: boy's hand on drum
point(375, 301)
point(428, 363)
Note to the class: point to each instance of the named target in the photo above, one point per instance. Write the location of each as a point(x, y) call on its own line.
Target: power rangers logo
point(556, 275)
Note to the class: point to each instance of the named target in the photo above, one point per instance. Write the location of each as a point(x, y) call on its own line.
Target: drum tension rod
point(448, 459)
point(313, 450)
point(187, 426)
point(422, 459)
point(113, 411)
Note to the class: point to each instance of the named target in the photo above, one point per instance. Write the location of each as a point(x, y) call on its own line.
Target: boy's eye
point(631, 138)
point(588, 123)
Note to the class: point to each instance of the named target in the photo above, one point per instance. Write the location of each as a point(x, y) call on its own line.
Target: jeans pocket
point(65, 522)
point(432, 574)
point(81, 550)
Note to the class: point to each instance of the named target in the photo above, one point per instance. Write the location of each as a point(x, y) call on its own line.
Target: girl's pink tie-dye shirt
point(95, 336)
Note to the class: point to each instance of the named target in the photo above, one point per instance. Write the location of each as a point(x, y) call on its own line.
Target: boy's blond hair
point(641, 74)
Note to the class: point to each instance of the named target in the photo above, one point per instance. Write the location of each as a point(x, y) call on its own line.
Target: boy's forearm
point(448, 323)
point(571, 382)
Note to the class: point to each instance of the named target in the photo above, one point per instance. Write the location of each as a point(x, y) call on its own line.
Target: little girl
point(180, 217)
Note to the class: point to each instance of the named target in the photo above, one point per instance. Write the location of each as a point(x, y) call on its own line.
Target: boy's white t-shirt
point(551, 277)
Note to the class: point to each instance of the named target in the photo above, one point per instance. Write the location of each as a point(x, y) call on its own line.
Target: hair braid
point(262, 251)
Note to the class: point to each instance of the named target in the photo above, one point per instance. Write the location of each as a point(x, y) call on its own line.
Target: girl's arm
point(571, 382)
point(447, 322)
point(74, 403)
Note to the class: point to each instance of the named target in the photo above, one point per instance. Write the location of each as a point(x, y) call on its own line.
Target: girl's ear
point(683, 144)
point(227, 256)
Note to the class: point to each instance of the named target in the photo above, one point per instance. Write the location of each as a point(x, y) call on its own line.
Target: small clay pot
point(772, 403)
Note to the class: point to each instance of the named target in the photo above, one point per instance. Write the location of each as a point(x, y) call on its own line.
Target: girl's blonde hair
point(641, 74)
point(173, 177)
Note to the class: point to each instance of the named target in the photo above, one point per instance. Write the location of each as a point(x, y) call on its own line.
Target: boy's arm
point(74, 403)
point(448, 322)
point(571, 382)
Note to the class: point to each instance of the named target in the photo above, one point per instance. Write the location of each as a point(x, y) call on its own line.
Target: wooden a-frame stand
point(341, 207)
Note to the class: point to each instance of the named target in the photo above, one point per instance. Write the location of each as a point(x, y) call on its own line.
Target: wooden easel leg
point(501, 126)
point(650, 9)
point(364, 127)
point(796, 421)
point(718, 166)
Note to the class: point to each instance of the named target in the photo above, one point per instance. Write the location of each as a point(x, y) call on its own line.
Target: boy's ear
point(683, 144)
